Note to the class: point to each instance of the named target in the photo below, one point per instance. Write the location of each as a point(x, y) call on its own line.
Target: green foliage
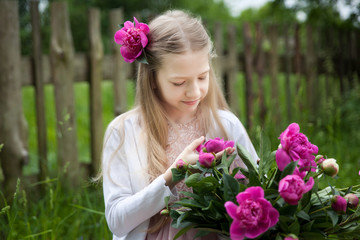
point(53, 214)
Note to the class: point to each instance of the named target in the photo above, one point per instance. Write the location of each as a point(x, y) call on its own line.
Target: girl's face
point(182, 82)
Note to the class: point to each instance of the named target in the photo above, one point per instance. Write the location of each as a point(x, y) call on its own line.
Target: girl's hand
point(190, 156)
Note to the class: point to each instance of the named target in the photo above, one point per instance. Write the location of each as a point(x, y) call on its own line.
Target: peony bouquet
point(281, 197)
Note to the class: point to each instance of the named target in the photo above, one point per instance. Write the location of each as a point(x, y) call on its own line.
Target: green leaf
point(303, 215)
point(311, 236)
point(190, 203)
point(254, 179)
point(289, 169)
point(231, 187)
point(193, 179)
point(177, 175)
point(246, 158)
point(183, 231)
point(1, 146)
point(265, 157)
point(333, 216)
point(142, 58)
point(295, 227)
point(307, 226)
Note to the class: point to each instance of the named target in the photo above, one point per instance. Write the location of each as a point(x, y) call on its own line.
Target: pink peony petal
point(144, 28)
point(282, 159)
point(229, 144)
point(309, 185)
point(243, 196)
point(144, 39)
point(256, 192)
point(128, 25)
point(237, 230)
point(253, 232)
point(120, 36)
point(274, 217)
point(231, 209)
point(127, 54)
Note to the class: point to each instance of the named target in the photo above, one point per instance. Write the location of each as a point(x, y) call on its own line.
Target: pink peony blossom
point(292, 188)
point(338, 204)
point(296, 146)
point(291, 237)
point(181, 164)
point(207, 160)
point(133, 39)
point(352, 200)
point(253, 216)
point(215, 145)
point(330, 167)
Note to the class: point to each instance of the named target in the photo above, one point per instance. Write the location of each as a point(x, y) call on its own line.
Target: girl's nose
point(193, 90)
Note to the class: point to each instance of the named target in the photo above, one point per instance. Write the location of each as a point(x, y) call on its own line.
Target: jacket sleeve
point(126, 209)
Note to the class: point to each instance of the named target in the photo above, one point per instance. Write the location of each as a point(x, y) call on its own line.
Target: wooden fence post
point(260, 73)
point(248, 75)
point(288, 72)
point(39, 90)
point(311, 82)
point(12, 122)
point(219, 48)
point(62, 62)
point(274, 73)
point(119, 66)
point(232, 69)
point(96, 58)
point(297, 67)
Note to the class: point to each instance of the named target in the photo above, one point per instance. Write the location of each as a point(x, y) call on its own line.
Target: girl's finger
point(196, 143)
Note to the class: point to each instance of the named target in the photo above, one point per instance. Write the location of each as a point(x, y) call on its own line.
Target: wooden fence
point(64, 66)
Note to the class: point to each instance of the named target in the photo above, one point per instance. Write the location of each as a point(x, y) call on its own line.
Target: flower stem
point(343, 189)
point(272, 175)
point(321, 209)
point(218, 172)
point(276, 199)
point(318, 174)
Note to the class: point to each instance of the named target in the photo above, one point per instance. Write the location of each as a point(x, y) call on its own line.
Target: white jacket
point(130, 201)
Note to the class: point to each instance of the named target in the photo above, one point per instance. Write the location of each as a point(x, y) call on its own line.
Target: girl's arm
point(126, 209)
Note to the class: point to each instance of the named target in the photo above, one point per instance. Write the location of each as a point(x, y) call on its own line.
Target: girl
point(178, 106)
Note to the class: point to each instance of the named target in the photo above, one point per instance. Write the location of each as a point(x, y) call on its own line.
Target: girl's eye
point(178, 84)
point(202, 78)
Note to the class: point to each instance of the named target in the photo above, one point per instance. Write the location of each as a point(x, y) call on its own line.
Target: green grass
point(60, 213)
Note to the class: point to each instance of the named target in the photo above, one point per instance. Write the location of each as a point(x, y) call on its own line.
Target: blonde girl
point(178, 106)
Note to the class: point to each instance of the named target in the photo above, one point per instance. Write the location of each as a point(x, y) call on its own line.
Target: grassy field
point(60, 213)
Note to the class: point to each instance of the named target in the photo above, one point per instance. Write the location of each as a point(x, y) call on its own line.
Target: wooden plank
point(232, 69)
point(288, 72)
point(95, 77)
point(39, 90)
point(248, 75)
point(219, 49)
point(297, 67)
point(260, 70)
point(119, 66)
point(62, 73)
point(12, 129)
point(274, 73)
point(311, 84)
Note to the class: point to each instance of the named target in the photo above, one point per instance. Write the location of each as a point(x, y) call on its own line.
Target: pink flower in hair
point(133, 39)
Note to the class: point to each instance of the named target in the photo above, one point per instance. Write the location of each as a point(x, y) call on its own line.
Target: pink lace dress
point(180, 136)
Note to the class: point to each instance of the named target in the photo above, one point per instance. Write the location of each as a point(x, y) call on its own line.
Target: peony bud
point(164, 212)
point(338, 204)
point(352, 200)
point(291, 237)
point(181, 165)
point(207, 160)
point(319, 159)
point(330, 167)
